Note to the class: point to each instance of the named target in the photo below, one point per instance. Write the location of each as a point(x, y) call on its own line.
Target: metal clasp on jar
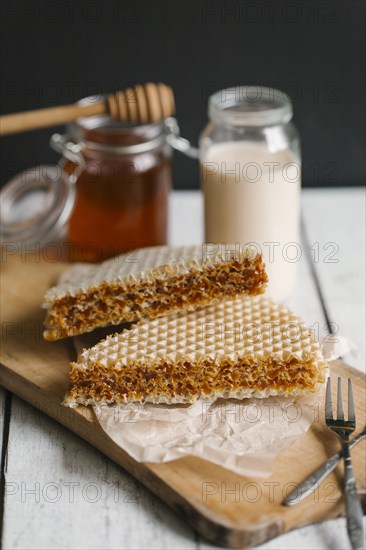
point(175, 140)
point(70, 150)
point(73, 151)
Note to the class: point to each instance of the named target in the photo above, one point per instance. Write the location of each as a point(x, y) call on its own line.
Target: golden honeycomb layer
point(249, 346)
point(148, 283)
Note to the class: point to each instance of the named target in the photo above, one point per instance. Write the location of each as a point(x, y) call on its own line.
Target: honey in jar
point(122, 178)
point(108, 195)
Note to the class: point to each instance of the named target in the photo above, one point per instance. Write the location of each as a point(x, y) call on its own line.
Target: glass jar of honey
point(122, 178)
point(108, 194)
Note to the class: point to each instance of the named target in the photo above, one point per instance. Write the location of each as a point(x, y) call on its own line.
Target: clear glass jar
point(108, 194)
point(251, 178)
point(122, 176)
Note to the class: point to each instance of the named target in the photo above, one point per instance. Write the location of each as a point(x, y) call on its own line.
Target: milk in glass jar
point(251, 179)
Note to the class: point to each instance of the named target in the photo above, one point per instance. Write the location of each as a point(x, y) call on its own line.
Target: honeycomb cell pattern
point(140, 264)
point(148, 283)
point(254, 326)
point(249, 346)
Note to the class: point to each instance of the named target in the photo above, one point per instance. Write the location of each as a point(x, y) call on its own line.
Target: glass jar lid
point(250, 106)
point(35, 206)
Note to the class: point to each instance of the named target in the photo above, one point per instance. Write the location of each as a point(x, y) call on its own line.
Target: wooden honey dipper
point(141, 104)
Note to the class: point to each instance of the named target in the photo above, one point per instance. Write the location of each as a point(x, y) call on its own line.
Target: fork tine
point(351, 403)
point(340, 413)
point(328, 401)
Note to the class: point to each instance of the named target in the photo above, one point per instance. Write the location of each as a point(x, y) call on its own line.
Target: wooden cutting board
point(225, 508)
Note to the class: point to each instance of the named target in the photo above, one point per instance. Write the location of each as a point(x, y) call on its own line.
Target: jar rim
point(85, 129)
point(250, 106)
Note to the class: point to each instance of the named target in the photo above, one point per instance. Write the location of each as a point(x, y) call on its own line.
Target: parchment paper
point(244, 436)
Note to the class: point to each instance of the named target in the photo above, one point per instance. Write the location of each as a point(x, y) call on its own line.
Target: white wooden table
point(61, 493)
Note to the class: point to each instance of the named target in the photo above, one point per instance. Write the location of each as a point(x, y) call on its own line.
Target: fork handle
point(353, 506)
point(310, 483)
point(307, 486)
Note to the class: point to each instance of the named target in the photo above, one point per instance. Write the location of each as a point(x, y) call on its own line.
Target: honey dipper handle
point(143, 104)
point(41, 118)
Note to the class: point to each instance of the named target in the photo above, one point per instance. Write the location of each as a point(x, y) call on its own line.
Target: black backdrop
point(56, 52)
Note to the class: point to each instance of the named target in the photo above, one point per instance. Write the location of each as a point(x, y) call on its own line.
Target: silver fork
point(309, 484)
point(343, 428)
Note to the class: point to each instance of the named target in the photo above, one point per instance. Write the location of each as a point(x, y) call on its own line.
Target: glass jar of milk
point(251, 179)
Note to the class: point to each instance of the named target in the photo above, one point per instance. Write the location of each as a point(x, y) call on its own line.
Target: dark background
point(56, 52)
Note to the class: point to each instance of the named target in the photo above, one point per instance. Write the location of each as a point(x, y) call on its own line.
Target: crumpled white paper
point(244, 436)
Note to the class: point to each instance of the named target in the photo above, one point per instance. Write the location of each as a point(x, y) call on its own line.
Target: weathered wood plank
point(2, 413)
point(63, 493)
point(5, 400)
point(335, 219)
point(64, 458)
